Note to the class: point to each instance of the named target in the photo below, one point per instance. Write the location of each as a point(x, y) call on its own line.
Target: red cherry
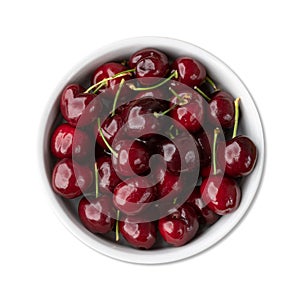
point(132, 158)
point(108, 178)
point(238, 157)
point(76, 105)
point(109, 70)
point(221, 194)
point(190, 71)
point(97, 215)
point(180, 226)
point(168, 184)
point(147, 52)
point(139, 235)
point(205, 215)
point(70, 179)
point(221, 110)
point(204, 140)
point(66, 144)
point(131, 196)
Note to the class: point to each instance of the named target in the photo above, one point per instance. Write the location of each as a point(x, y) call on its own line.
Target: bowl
point(250, 123)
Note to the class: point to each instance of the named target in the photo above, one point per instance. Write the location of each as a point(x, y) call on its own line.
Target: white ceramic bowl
point(250, 125)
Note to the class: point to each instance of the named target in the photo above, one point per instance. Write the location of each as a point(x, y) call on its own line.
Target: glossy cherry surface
point(180, 226)
point(190, 71)
point(205, 215)
point(221, 194)
point(204, 140)
point(141, 120)
point(76, 105)
point(239, 156)
point(139, 235)
point(221, 110)
point(131, 196)
point(109, 70)
point(66, 144)
point(147, 52)
point(97, 215)
point(132, 159)
point(190, 111)
point(108, 178)
point(70, 179)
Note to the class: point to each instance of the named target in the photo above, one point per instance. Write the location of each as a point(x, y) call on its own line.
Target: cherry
point(70, 179)
point(131, 196)
point(180, 226)
point(107, 177)
point(141, 120)
point(205, 215)
point(221, 110)
point(189, 111)
point(69, 142)
point(76, 105)
point(204, 143)
point(221, 194)
point(139, 235)
point(97, 215)
point(238, 157)
point(147, 52)
point(110, 127)
point(131, 158)
point(184, 159)
point(109, 70)
point(156, 94)
point(190, 71)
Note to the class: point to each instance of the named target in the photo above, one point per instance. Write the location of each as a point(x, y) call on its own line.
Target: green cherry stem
point(96, 180)
point(216, 133)
point(104, 139)
point(173, 75)
point(236, 116)
point(117, 96)
point(202, 93)
point(117, 226)
point(210, 81)
point(104, 81)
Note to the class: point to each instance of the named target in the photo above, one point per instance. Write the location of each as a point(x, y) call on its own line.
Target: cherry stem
point(210, 81)
point(236, 116)
point(104, 81)
point(182, 101)
point(117, 225)
point(173, 75)
point(174, 200)
point(104, 139)
point(202, 93)
point(117, 96)
point(216, 133)
point(96, 180)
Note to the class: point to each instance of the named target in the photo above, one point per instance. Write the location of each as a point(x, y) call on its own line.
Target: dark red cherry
point(109, 70)
point(139, 235)
point(190, 71)
point(150, 70)
point(221, 194)
point(168, 184)
point(108, 179)
point(180, 226)
point(76, 105)
point(66, 144)
point(110, 127)
point(238, 157)
point(141, 120)
point(190, 110)
point(221, 110)
point(131, 196)
point(147, 52)
point(205, 215)
point(70, 179)
point(180, 154)
point(204, 140)
point(97, 215)
point(132, 158)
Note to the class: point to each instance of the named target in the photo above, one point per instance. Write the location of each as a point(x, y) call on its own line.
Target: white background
point(41, 41)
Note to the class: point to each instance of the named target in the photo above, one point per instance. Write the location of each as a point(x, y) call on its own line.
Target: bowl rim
point(128, 254)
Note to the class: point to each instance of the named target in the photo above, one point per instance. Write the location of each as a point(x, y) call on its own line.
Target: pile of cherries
point(149, 148)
